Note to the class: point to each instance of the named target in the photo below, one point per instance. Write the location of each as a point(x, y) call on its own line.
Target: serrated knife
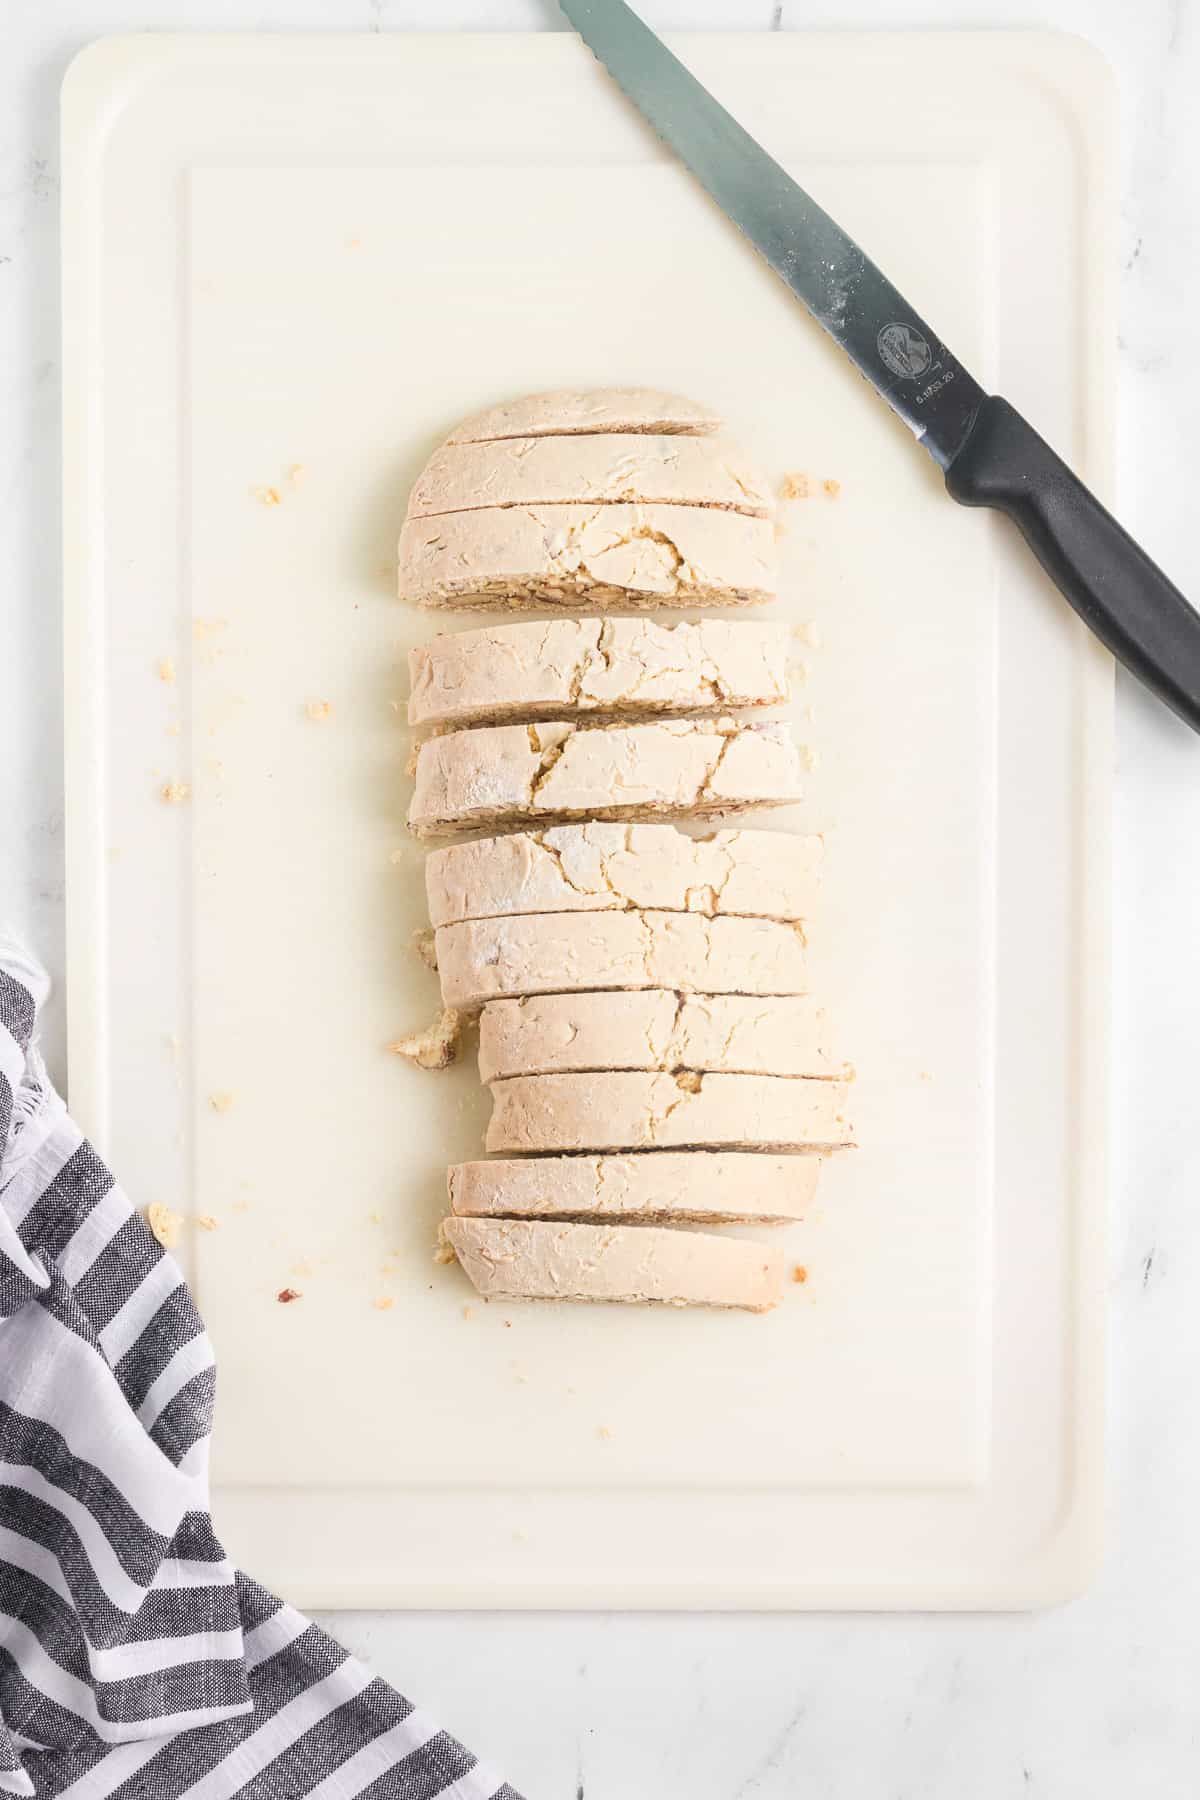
point(990, 455)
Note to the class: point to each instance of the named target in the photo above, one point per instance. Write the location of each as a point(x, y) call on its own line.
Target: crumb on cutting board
point(265, 494)
point(241, 1206)
point(604, 1431)
point(164, 1224)
point(296, 473)
point(794, 485)
point(468, 1312)
point(221, 1102)
point(286, 1295)
point(800, 1273)
point(164, 668)
point(207, 1221)
point(174, 793)
point(831, 487)
point(319, 710)
point(383, 1302)
point(434, 1048)
point(424, 942)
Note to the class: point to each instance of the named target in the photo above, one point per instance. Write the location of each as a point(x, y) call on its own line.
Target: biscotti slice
point(533, 669)
point(627, 1111)
point(717, 1187)
point(590, 470)
point(565, 411)
point(535, 1259)
point(560, 953)
point(627, 555)
point(607, 868)
point(653, 1029)
point(558, 770)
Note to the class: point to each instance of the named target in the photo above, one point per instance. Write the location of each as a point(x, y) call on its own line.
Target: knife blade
point(989, 454)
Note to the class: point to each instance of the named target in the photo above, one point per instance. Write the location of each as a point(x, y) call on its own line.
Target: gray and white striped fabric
point(135, 1662)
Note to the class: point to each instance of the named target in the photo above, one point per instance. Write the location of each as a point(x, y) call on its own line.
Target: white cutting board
point(320, 252)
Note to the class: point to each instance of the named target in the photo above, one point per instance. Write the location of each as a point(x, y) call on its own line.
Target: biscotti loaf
point(653, 1029)
point(636, 1111)
point(537, 669)
point(555, 953)
point(535, 1259)
point(557, 770)
point(607, 868)
point(692, 1186)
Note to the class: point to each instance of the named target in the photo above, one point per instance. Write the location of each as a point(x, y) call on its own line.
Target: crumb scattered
point(508, 1324)
point(174, 793)
point(207, 1222)
point(434, 1048)
point(424, 942)
point(319, 710)
point(241, 1206)
point(164, 668)
point(604, 1431)
point(781, 529)
point(832, 488)
point(810, 758)
point(444, 1253)
point(164, 1224)
point(221, 1103)
point(924, 1075)
point(296, 473)
point(266, 496)
point(354, 243)
point(808, 632)
point(302, 1267)
point(376, 1218)
point(794, 485)
point(800, 1273)
point(383, 1303)
point(286, 1295)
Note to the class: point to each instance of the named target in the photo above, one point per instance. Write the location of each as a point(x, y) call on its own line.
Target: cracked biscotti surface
point(535, 1259)
point(499, 959)
point(631, 554)
point(534, 668)
point(607, 868)
point(561, 412)
point(691, 1186)
point(558, 770)
point(622, 1110)
point(654, 1029)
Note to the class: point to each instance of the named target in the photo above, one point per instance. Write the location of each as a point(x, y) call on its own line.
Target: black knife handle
point(1109, 580)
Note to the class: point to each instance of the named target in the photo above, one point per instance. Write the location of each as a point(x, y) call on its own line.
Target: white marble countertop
point(1100, 1697)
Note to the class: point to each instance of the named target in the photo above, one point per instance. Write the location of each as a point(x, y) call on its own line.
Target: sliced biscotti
point(594, 469)
point(536, 1259)
point(562, 412)
point(717, 1187)
point(654, 1029)
point(558, 770)
point(540, 668)
point(607, 868)
point(621, 1110)
point(632, 555)
point(556, 953)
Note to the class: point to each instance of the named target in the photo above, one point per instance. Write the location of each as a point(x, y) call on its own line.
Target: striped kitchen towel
point(135, 1662)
